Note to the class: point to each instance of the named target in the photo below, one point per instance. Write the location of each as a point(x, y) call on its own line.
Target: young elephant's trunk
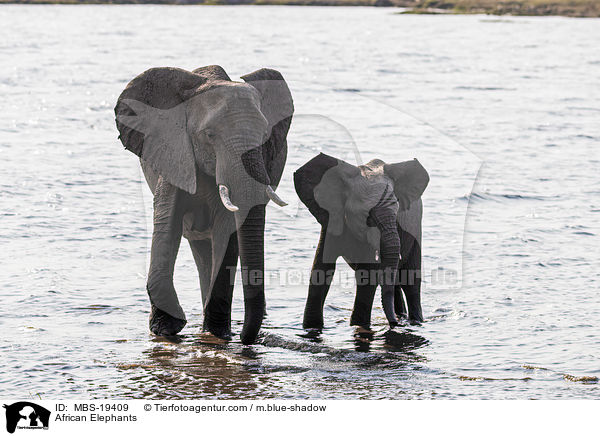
point(389, 253)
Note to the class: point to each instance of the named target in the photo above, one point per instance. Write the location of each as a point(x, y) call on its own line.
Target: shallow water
point(504, 113)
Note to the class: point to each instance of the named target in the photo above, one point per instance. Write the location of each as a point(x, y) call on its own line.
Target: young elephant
point(371, 216)
point(212, 151)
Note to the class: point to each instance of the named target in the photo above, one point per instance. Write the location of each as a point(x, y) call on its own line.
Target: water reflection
point(175, 339)
point(363, 339)
point(195, 366)
point(404, 341)
point(313, 335)
point(395, 340)
point(186, 367)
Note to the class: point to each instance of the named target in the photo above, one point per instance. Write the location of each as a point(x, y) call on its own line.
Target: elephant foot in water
point(163, 324)
point(404, 320)
point(416, 318)
point(207, 337)
point(216, 332)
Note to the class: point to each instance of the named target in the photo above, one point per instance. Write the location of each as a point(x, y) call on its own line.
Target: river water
point(503, 112)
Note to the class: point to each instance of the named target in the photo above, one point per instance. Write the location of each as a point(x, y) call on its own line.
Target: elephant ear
point(151, 119)
point(278, 107)
point(321, 185)
point(410, 180)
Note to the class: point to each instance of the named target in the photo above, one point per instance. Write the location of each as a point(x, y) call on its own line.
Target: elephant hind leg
point(410, 282)
point(202, 253)
point(217, 302)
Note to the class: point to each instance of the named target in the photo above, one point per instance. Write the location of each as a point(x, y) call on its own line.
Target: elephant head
point(190, 127)
point(181, 122)
point(359, 209)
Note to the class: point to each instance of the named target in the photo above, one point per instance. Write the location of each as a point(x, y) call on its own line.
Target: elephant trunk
point(251, 250)
point(254, 165)
point(389, 253)
point(241, 172)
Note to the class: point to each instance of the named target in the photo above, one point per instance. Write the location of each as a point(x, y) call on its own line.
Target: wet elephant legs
point(408, 284)
point(320, 281)
point(167, 316)
point(217, 303)
point(366, 285)
point(407, 290)
point(409, 279)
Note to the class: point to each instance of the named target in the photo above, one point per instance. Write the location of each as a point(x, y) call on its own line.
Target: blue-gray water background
point(504, 113)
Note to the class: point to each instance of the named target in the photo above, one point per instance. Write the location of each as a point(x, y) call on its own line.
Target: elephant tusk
point(224, 193)
point(273, 196)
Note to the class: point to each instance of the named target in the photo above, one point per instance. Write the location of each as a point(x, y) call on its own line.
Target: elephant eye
point(209, 133)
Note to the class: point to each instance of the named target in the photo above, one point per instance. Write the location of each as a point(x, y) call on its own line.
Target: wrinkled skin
point(212, 151)
point(371, 216)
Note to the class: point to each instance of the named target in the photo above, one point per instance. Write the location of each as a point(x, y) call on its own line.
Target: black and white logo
point(26, 415)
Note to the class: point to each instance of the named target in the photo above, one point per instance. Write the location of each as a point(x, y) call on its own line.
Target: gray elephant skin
point(212, 151)
point(370, 215)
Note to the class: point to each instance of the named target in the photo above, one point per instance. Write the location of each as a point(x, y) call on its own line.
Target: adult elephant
point(371, 216)
point(212, 151)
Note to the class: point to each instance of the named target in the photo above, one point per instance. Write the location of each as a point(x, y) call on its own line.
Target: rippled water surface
point(504, 113)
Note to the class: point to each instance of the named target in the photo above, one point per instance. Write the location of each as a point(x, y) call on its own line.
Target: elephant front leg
point(320, 280)
point(167, 317)
point(366, 284)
